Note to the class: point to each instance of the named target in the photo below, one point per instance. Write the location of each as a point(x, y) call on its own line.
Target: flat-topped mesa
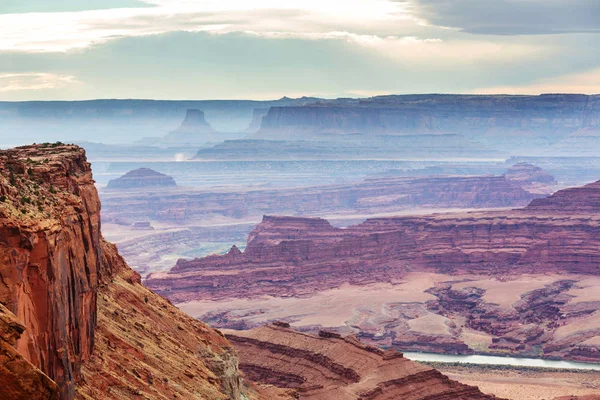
point(525, 173)
point(513, 115)
point(296, 256)
point(142, 178)
point(333, 367)
point(76, 311)
point(194, 123)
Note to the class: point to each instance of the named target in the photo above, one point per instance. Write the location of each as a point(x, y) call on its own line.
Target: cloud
point(46, 6)
point(512, 17)
point(62, 32)
point(584, 83)
point(13, 82)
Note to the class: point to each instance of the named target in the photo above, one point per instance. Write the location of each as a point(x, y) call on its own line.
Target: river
point(496, 360)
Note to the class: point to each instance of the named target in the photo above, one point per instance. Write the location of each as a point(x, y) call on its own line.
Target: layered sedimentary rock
point(546, 115)
point(528, 174)
point(554, 234)
point(329, 366)
point(84, 319)
point(50, 256)
point(294, 146)
point(376, 195)
point(297, 257)
point(142, 178)
point(19, 379)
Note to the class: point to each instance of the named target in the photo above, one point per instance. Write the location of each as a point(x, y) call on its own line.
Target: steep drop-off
point(84, 318)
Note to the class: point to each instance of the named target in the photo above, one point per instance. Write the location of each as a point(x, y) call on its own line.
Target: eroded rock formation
point(84, 318)
point(19, 379)
point(329, 366)
point(376, 195)
point(541, 116)
point(194, 123)
point(298, 257)
point(142, 178)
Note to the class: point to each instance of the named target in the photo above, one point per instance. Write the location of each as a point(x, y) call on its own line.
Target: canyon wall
point(76, 312)
point(376, 195)
point(290, 255)
point(50, 256)
point(547, 114)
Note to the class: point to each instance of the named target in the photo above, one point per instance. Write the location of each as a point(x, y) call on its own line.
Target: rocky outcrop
point(329, 366)
point(142, 178)
point(50, 256)
point(145, 347)
point(84, 318)
point(194, 123)
point(19, 379)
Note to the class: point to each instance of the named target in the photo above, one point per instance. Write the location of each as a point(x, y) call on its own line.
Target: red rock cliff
point(84, 318)
point(50, 256)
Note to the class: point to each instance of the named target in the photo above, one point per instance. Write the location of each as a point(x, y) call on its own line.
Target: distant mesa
point(194, 123)
point(526, 173)
point(142, 178)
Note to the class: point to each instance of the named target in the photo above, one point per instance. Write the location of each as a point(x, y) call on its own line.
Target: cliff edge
point(79, 316)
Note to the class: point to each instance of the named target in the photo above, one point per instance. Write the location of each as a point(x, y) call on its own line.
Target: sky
point(267, 49)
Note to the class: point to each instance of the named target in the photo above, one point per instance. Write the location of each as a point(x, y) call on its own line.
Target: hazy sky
point(265, 49)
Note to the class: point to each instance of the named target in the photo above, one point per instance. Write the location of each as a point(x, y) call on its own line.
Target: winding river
point(496, 360)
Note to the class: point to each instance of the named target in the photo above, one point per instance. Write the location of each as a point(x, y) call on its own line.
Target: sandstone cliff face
point(336, 368)
point(145, 347)
point(19, 379)
point(50, 256)
point(87, 322)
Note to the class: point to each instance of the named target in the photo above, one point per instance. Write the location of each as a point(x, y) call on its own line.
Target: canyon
point(517, 282)
point(76, 322)
point(373, 195)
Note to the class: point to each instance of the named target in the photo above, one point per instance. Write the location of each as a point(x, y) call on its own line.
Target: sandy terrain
point(523, 384)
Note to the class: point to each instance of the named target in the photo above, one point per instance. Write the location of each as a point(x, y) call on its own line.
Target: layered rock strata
point(83, 317)
point(329, 366)
point(375, 195)
point(19, 379)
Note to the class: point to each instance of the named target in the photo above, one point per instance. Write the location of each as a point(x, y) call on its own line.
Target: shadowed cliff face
point(82, 315)
point(19, 379)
